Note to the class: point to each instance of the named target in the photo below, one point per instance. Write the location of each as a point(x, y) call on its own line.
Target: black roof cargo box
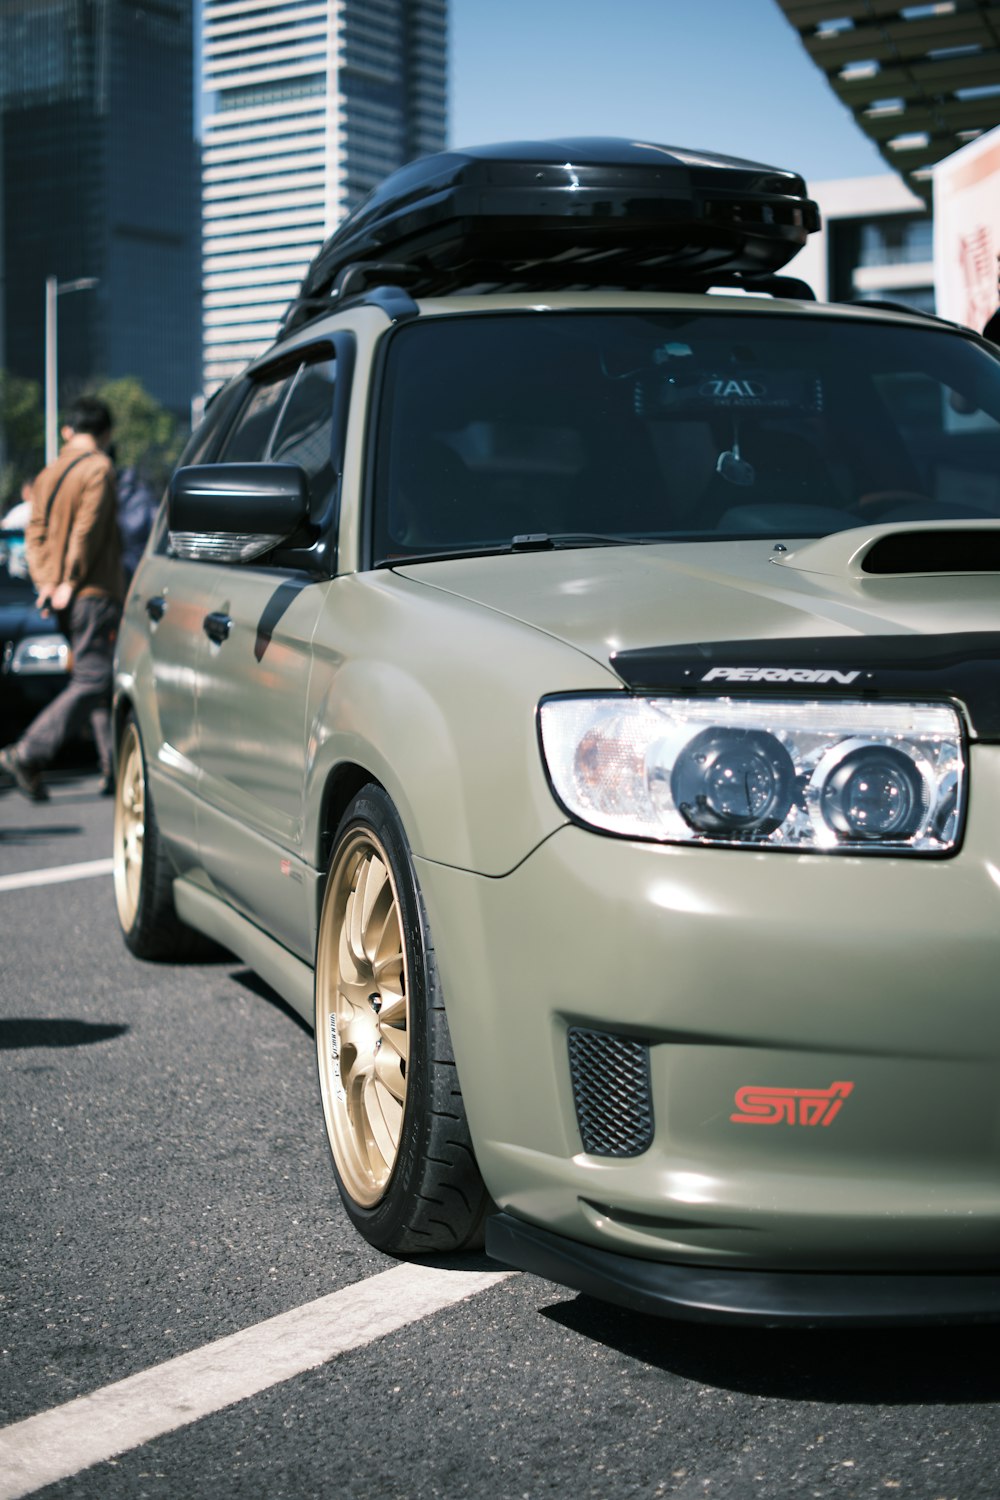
point(576, 211)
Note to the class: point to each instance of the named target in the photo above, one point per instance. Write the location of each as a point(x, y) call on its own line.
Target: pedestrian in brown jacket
point(74, 555)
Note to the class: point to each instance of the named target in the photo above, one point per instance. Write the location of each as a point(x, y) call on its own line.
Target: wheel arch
point(412, 1187)
point(121, 708)
point(342, 785)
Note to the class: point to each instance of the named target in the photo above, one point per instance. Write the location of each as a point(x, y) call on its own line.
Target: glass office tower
point(99, 177)
point(308, 104)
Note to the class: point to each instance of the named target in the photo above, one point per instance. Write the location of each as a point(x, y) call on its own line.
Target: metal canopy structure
point(921, 80)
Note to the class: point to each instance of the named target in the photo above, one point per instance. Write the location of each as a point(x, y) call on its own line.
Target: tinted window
point(304, 434)
point(678, 425)
point(206, 434)
point(247, 443)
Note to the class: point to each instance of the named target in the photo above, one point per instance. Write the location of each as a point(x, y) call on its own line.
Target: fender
point(397, 702)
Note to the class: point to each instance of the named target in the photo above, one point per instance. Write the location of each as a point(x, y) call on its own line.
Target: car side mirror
point(234, 512)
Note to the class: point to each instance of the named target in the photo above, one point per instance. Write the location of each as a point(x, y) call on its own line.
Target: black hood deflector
point(963, 666)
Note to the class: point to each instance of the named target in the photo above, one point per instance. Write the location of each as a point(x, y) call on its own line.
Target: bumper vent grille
point(611, 1090)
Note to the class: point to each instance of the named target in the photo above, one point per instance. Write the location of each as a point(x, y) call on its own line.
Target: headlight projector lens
point(874, 792)
point(733, 781)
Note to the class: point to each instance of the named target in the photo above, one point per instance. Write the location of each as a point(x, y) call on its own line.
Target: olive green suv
point(577, 693)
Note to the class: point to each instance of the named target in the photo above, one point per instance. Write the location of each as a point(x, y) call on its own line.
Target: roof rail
point(363, 282)
point(381, 283)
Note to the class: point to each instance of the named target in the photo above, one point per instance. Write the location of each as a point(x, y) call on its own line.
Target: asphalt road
point(166, 1184)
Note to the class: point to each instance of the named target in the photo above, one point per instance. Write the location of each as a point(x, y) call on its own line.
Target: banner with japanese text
point(967, 232)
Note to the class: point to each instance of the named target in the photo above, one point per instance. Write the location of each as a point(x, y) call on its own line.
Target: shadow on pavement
point(39, 831)
point(464, 1260)
point(259, 987)
point(25, 1032)
point(873, 1367)
point(64, 787)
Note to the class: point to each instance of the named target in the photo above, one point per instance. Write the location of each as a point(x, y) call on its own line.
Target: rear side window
point(205, 438)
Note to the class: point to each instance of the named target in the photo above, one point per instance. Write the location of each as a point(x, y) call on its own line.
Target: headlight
point(39, 655)
point(832, 777)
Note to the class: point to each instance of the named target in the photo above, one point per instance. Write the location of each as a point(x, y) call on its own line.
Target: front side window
point(247, 443)
point(304, 434)
point(679, 425)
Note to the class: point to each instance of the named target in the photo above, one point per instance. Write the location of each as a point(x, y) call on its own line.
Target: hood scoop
point(935, 552)
point(921, 547)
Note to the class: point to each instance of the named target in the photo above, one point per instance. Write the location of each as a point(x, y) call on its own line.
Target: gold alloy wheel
point(130, 827)
point(362, 1016)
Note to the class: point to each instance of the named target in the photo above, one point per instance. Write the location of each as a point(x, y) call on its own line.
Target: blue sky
point(722, 75)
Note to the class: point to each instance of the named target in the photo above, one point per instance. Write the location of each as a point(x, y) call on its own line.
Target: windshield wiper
point(532, 541)
point(544, 541)
point(440, 554)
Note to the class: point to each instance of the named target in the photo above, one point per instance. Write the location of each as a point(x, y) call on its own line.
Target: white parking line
point(56, 874)
point(59, 1443)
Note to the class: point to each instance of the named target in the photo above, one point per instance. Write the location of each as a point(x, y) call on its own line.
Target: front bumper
point(769, 1299)
point(739, 970)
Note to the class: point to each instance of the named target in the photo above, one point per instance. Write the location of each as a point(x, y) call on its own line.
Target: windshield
point(580, 427)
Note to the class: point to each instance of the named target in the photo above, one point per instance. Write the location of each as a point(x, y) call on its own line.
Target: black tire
point(143, 875)
point(405, 1167)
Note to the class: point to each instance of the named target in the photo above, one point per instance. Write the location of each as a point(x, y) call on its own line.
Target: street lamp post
point(54, 288)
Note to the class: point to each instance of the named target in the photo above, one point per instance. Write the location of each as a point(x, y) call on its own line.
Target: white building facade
point(875, 244)
point(307, 105)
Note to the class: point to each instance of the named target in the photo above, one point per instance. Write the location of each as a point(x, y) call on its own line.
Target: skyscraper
point(99, 179)
point(308, 104)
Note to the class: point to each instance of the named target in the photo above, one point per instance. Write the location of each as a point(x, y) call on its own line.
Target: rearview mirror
point(234, 512)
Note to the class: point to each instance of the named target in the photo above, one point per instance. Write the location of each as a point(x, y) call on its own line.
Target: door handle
point(217, 627)
point(156, 608)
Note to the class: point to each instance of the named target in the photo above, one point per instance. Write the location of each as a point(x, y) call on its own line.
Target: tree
point(22, 435)
point(147, 436)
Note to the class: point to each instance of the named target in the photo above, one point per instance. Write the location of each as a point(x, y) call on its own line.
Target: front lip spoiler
point(769, 1299)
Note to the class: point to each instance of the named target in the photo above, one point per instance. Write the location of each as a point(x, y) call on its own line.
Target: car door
point(166, 604)
point(259, 632)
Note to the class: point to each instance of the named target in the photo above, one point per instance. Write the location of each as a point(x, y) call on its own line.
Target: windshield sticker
point(727, 390)
point(691, 390)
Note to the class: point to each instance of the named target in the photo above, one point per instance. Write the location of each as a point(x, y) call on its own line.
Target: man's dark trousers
point(91, 623)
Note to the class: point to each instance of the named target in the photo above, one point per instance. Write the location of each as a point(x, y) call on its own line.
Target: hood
point(893, 610)
point(610, 600)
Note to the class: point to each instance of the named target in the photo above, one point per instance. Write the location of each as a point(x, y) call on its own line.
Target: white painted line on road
point(56, 874)
point(59, 1443)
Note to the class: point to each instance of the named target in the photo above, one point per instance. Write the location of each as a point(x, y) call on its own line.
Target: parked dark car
point(34, 654)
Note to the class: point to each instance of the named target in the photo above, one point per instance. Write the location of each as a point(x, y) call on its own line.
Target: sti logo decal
point(778, 674)
point(764, 1106)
